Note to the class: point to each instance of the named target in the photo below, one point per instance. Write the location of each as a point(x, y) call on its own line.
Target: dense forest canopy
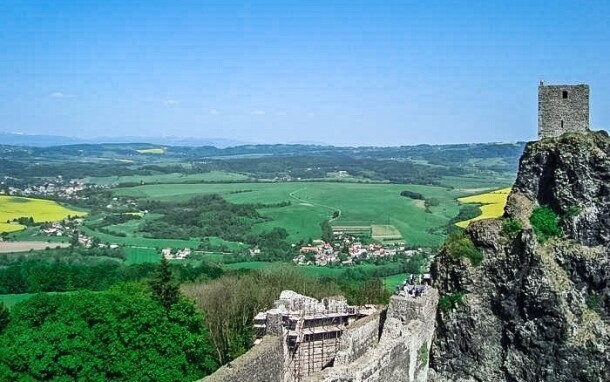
point(121, 334)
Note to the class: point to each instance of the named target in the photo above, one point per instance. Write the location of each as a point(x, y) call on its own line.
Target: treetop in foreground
point(122, 334)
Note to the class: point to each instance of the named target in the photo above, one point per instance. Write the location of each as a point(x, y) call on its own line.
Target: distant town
point(347, 250)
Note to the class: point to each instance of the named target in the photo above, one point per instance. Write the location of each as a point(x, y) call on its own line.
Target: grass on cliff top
point(493, 204)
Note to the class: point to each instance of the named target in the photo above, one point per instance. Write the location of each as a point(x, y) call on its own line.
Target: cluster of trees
point(273, 245)
point(327, 231)
point(211, 215)
point(111, 219)
point(412, 195)
point(26, 221)
point(428, 202)
point(459, 245)
point(33, 276)
point(467, 212)
point(122, 334)
point(431, 202)
point(414, 264)
point(205, 215)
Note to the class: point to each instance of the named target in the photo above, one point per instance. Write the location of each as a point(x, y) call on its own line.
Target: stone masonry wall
point(358, 338)
point(558, 114)
point(402, 352)
point(263, 363)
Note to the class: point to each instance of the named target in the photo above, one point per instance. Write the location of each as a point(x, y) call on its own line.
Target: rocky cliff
point(527, 297)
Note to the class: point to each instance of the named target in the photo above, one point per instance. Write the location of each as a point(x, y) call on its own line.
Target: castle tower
point(562, 108)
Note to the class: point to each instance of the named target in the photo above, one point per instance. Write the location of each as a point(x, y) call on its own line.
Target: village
point(57, 187)
point(348, 250)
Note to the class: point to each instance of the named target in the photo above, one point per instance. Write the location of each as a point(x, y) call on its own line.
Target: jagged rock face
point(570, 173)
point(527, 313)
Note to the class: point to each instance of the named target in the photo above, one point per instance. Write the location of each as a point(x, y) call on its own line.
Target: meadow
point(313, 202)
point(135, 255)
point(492, 205)
point(391, 282)
point(212, 176)
point(141, 242)
point(41, 210)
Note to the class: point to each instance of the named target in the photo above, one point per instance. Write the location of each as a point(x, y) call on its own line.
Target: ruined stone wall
point(408, 308)
point(561, 109)
point(263, 363)
point(399, 355)
point(402, 352)
point(358, 338)
point(310, 357)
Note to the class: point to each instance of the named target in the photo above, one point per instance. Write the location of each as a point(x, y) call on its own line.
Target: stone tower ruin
point(561, 109)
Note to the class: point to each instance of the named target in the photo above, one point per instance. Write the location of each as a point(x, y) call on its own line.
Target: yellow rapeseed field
point(41, 210)
point(493, 204)
point(158, 150)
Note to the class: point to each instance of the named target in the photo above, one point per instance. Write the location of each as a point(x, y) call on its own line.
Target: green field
point(142, 241)
point(313, 202)
point(212, 176)
point(141, 255)
point(391, 281)
point(10, 300)
point(34, 234)
point(476, 184)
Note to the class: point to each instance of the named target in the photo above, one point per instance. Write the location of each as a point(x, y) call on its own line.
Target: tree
point(231, 302)
point(327, 231)
point(164, 288)
point(74, 240)
point(4, 317)
point(95, 242)
point(120, 335)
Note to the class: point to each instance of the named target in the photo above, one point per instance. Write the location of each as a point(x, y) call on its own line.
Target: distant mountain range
point(34, 140)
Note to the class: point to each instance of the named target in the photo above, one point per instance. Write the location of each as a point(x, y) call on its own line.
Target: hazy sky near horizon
point(339, 72)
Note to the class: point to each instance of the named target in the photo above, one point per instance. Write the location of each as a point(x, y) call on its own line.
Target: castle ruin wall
point(359, 354)
point(263, 363)
point(358, 338)
point(401, 354)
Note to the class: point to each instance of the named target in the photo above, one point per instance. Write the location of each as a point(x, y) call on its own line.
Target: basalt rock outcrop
point(533, 310)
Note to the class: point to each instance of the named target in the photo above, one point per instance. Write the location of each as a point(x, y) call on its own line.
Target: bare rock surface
point(533, 311)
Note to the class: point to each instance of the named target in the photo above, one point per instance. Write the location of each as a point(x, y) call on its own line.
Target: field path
point(293, 195)
point(26, 246)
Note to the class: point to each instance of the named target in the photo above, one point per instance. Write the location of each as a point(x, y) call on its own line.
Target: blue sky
point(339, 72)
